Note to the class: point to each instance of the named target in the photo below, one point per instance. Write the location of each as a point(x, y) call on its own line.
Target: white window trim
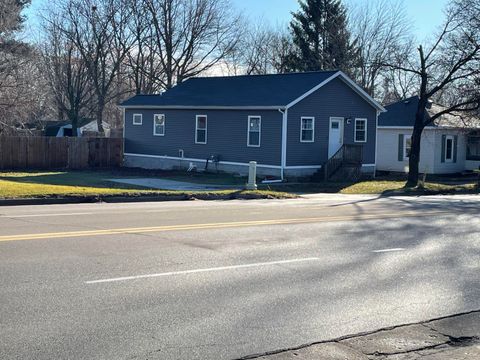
point(449, 137)
point(196, 129)
point(405, 138)
point(355, 130)
point(259, 130)
point(137, 123)
point(313, 128)
point(155, 128)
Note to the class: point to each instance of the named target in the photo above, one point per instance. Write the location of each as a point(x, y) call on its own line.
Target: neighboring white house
point(448, 146)
point(64, 128)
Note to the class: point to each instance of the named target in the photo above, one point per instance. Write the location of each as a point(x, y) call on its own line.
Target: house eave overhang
point(206, 107)
point(437, 127)
point(393, 127)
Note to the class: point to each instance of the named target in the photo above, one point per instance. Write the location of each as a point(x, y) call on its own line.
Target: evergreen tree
point(321, 38)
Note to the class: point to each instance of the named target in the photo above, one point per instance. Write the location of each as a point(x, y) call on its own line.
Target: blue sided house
point(290, 124)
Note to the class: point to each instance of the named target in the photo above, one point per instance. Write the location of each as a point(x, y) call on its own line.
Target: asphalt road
point(222, 280)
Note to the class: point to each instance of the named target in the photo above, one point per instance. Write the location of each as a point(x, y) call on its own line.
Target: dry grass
point(15, 185)
point(398, 187)
point(382, 186)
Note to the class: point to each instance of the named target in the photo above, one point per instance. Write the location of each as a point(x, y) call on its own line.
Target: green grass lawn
point(45, 184)
point(42, 184)
point(398, 187)
point(380, 186)
point(38, 184)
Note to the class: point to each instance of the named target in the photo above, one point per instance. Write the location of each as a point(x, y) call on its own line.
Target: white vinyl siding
point(159, 125)
point(137, 119)
point(254, 131)
point(430, 153)
point(307, 129)
point(388, 150)
point(360, 130)
point(201, 129)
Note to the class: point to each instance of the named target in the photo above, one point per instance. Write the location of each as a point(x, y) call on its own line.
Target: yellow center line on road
point(166, 228)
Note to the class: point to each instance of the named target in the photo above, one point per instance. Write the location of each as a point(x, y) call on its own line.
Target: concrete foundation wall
point(472, 164)
point(148, 162)
point(368, 169)
point(299, 173)
point(171, 164)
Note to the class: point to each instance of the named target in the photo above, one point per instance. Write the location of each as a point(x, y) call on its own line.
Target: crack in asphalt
point(453, 341)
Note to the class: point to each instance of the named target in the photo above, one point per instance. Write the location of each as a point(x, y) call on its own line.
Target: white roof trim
point(405, 127)
point(349, 82)
point(181, 107)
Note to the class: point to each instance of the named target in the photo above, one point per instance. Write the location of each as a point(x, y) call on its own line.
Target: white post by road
point(252, 176)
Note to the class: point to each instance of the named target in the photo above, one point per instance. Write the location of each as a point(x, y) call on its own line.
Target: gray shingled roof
point(402, 113)
point(247, 90)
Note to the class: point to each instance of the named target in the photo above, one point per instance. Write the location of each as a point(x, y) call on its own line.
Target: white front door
point(335, 136)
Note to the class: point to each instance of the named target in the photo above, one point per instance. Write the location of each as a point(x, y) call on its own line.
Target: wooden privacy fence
point(41, 152)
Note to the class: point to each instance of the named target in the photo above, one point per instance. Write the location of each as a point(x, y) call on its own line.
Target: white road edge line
point(388, 250)
point(185, 272)
point(45, 215)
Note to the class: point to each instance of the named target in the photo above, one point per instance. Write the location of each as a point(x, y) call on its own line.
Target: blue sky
point(425, 15)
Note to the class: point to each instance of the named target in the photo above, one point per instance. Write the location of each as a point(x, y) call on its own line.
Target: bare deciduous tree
point(66, 72)
point(380, 28)
point(99, 31)
point(262, 49)
point(191, 36)
point(141, 64)
point(397, 85)
point(266, 49)
point(451, 63)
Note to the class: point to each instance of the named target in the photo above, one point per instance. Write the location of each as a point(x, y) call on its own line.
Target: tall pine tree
point(321, 38)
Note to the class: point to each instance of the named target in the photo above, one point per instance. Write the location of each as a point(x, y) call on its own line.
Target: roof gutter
point(284, 113)
point(171, 107)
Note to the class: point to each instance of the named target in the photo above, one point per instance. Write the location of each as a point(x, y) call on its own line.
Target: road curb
point(128, 199)
point(40, 201)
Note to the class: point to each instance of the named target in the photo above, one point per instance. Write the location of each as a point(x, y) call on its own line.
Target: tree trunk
point(414, 158)
point(100, 108)
point(74, 126)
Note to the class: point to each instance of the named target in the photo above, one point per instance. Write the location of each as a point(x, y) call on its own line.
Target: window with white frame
point(159, 124)
point(449, 148)
point(201, 129)
point(137, 119)
point(254, 131)
point(307, 129)
point(360, 130)
point(407, 146)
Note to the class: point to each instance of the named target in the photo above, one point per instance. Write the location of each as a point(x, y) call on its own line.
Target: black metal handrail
point(348, 154)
